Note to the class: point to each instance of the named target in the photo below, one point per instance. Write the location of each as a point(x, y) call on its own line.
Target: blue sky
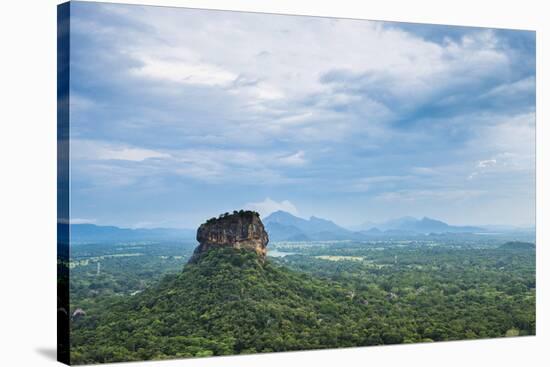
point(178, 115)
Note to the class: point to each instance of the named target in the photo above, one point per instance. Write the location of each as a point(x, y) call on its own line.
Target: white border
point(28, 176)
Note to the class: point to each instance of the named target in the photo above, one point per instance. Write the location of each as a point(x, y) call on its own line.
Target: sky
point(178, 115)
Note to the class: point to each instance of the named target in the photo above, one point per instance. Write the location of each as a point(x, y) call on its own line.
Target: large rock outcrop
point(240, 230)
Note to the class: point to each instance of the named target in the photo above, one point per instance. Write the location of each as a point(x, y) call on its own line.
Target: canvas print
point(234, 183)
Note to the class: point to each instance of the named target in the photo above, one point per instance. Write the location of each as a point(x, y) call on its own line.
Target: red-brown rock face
point(241, 230)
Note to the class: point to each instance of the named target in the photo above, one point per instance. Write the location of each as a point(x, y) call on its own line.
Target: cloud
point(121, 165)
point(525, 86)
point(294, 159)
point(180, 110)
point(263, 99)
point(473, 175)
point(433, 196)
point(273, 99)
point(97, 150)
point(83, 221)
point(511, 142)
point(487, 163)
point(183, 72)
point(79, 103)
point(268, 206)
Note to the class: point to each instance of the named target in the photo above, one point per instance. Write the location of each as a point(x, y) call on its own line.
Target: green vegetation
point(517, 245)
point(242, 213)
point(231, 302)
point(124, 269)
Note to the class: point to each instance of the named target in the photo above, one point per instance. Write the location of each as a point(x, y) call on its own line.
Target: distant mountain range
point(91, 233)
point(283, 226)
point(423, 225)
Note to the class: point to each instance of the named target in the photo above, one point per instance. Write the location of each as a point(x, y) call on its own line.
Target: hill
point(230, 301)
point(413, 225)
point(280, 225)
point(240, 230)
point(91, 233)
point(283, 226)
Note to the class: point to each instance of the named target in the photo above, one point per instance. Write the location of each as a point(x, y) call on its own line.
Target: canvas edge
point(63, 86)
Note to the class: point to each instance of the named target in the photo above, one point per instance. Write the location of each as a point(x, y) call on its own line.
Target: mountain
point(283, 226)
point(374, 231)
point(508, 228)
point(365, 226)
point(280, 225)
point(411, 225)
point(240, 230)
point(397, 224)
point(91, 233)
point(230, 301)
point(429, 225)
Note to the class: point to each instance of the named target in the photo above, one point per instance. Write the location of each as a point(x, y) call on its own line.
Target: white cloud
point(515, 134)
point(80, 103)
point(483, 167)
point(98, 150)
point(132, 154)
point(522, 86)
point(83, 221)
point(487, 163)
point(436, 195)
point(295, 159)
point(278, 84)
point(510, 141)
point(244, 106)
point(219, 165)
point(181, 71)
point(268, 206)
point(121, 165)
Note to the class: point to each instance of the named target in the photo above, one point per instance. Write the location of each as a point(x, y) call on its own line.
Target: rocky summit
point(240, 230)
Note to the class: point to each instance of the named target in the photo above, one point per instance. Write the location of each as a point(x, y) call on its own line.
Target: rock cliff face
point(240, 230)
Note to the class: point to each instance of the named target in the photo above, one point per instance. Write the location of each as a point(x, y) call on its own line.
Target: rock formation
point(240, 230)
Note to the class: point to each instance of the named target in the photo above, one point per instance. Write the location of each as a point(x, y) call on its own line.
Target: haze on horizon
point(180, 115)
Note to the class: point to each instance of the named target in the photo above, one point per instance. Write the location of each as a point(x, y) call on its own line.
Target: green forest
point(146, 303)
